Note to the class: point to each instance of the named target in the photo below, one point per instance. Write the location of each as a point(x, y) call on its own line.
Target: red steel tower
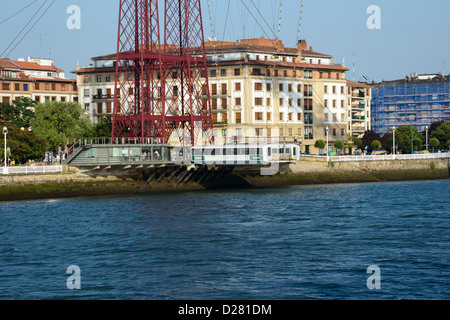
point(162, 86)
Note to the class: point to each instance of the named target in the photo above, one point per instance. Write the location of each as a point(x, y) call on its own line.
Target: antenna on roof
point(40, 49)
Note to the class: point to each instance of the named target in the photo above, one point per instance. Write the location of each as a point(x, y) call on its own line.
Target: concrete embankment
point(73, 183)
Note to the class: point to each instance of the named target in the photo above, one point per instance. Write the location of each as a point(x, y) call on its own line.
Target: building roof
point(35, 66)
point(357, 84)
point(415, 79)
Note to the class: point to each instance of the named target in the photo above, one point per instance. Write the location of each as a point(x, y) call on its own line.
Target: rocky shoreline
point(74, 184)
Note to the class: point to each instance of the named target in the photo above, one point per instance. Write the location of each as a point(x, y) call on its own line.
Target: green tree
point(448, 145)
point(24, 145)
point(358, 142)
point(375, 144)
point(104, 127)
point(442, 133)
point(57, 122)
point(434, 142)
point(368, 138)
point(320, 144)
point(338, 144)
point(405, 135)
point(20, 112)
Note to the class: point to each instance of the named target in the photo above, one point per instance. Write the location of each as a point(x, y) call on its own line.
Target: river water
point(304, 242)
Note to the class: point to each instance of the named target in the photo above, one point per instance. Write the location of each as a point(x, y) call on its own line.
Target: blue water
point(306, 242)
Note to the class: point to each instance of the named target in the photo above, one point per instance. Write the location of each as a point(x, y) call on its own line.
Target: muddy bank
point(74, 184)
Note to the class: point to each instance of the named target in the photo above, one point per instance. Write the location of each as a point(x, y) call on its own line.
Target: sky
point(412, 36)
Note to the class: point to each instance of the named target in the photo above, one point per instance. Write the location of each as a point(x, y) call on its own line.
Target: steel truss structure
point(161, 73)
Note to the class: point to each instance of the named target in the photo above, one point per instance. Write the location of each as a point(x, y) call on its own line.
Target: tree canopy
point(442, 133)
point(56, 122)
point(20, 112)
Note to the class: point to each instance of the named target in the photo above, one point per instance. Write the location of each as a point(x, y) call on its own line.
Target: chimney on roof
point(310, 48)
point(302, 45)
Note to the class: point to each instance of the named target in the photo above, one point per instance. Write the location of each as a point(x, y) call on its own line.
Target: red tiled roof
point(357, 84)
point(7, 63)
point(36, 66)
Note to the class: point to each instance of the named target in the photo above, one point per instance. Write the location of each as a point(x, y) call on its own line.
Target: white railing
point(382, 157)
point(32, 170)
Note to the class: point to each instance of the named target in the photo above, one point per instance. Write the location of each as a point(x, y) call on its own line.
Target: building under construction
point(416, 100)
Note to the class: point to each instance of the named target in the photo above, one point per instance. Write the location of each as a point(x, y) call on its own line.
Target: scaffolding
point(412, 101)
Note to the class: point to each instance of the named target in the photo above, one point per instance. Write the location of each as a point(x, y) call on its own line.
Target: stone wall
point(307, 171)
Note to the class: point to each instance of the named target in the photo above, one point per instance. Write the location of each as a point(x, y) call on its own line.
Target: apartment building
point(96, 84)
point(37, 79)
point(359, 98)
point(258, 88)
point(417, 100)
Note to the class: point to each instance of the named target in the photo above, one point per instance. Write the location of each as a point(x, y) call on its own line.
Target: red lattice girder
point(161, 88)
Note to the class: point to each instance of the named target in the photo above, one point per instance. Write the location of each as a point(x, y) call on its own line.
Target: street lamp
point(426, 138)
point(5, 132)
point(327, 144)
point(394, 143)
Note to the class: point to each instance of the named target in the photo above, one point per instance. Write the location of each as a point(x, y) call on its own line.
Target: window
point(53, 87)
point(36, 86)
point(269, 116)
point(308, 90)
point(259, 132)
point(237, 86)
point(238, 119)
point(334, 89)
point(99, 78)
point(308, 118)
point(258, 101)
point(63, 99)
point(258, 86)
point(63, 87)
point(223, 72)
point(299, 116)
point(281, 87)
point(47, 86)
point(268, 102)
point(308, 74)
point(37, 98)
point(238, 101)
point(268, 87)
point(213, 73)
point(325, 89)
point(108, 78)
point(309, 133)
point(308, 104)
point(237, 72)
point(258, 116)
point(17, 86)
point(334, 132)
point(281, 116)
point(281, 101)
point(290, 87)
point(25, 87)
point(5, 86)
point(99, 107)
